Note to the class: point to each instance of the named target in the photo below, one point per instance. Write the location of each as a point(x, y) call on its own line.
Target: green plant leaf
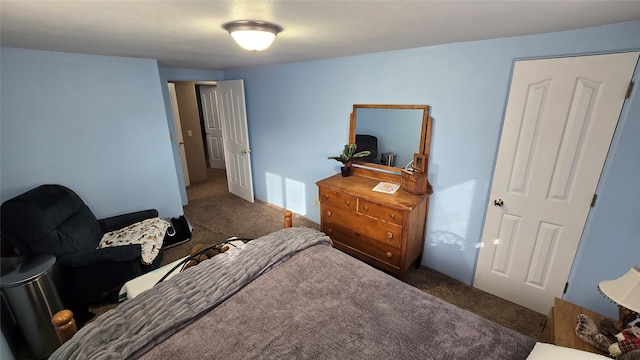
point(349, 153)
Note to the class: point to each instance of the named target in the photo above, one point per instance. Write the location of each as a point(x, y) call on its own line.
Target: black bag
point(178, 233)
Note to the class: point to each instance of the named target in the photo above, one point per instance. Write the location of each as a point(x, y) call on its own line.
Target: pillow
point(544, 351)
point(148, 233)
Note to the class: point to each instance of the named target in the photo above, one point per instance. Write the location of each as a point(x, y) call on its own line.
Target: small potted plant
point(348, 155)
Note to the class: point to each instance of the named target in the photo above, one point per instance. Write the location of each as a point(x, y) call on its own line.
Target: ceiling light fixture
point(252, 35)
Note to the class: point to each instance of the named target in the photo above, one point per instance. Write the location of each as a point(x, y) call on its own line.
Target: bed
point(290, 294)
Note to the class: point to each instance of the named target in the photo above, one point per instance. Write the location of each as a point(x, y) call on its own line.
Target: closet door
point(560, 118)
point(212, 127)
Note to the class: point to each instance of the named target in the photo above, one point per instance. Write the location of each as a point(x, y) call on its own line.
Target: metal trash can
point(31, 293)
point(388, 159)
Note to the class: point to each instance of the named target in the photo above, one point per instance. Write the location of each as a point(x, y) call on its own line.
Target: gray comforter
point(319, 303)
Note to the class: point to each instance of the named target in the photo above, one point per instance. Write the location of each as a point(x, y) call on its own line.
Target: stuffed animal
point(628, 339)
point(218, 249)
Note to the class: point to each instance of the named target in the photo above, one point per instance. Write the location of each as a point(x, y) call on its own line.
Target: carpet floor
point(217, 215)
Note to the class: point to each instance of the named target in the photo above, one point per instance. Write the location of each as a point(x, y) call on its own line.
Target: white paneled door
point(232, 112)
point(212, 127)
point(560, 118)
point(179, 138)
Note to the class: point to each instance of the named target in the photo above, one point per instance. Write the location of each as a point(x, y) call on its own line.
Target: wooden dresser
point(384, 230)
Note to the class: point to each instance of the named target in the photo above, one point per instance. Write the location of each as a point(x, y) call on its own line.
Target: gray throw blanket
point(138, 324)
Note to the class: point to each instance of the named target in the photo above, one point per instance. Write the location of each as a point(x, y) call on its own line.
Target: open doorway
point(179, 137)
point(205, 110)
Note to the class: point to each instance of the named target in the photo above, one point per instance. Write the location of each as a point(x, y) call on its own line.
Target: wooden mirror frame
point(425, 136)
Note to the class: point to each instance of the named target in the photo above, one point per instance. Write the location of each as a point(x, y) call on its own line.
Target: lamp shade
point(625, 290)
point(253, 35)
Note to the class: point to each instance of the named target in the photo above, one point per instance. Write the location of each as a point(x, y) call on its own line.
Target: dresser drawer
point(390, 234)
point(373, 249)
point(338, 199)
point(335, 215)
point(381, 212)
point(360, 225)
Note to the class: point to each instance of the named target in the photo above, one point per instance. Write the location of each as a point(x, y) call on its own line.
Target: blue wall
point(298, 115)
point(95, 124)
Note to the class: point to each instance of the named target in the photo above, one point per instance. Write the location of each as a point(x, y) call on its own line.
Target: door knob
point(245, 151)
point(498, 202)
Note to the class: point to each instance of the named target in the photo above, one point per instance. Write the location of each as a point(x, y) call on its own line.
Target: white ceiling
point(189, 34)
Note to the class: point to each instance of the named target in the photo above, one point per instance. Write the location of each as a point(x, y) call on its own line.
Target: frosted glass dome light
point(253, 35)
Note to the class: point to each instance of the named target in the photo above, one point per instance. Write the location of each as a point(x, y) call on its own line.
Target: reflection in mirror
point(397, 132)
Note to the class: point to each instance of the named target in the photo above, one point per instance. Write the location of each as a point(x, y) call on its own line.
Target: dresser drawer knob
point(389, 254)
point(389, 235)
point(366, 208)
point(328, 212)
point(347, 202)
point(393, 216)
point(326, 196)
point(329, 231)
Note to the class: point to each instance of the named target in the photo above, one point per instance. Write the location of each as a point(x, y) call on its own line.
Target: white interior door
point(212, 127)
point(178, 127)
point(559, 122)
point(232, 112)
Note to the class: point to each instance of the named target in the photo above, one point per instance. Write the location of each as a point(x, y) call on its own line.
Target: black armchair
point(53, 220)
point(368, 142)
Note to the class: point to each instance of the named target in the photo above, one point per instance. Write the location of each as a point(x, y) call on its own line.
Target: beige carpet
point(217, 215)
point(488, 306)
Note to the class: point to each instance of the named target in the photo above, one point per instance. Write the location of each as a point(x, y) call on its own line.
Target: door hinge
point(629, 89)
point(593, 200)
point(566, 286)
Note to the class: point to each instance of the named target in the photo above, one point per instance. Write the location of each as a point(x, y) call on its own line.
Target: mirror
point(393, 134)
